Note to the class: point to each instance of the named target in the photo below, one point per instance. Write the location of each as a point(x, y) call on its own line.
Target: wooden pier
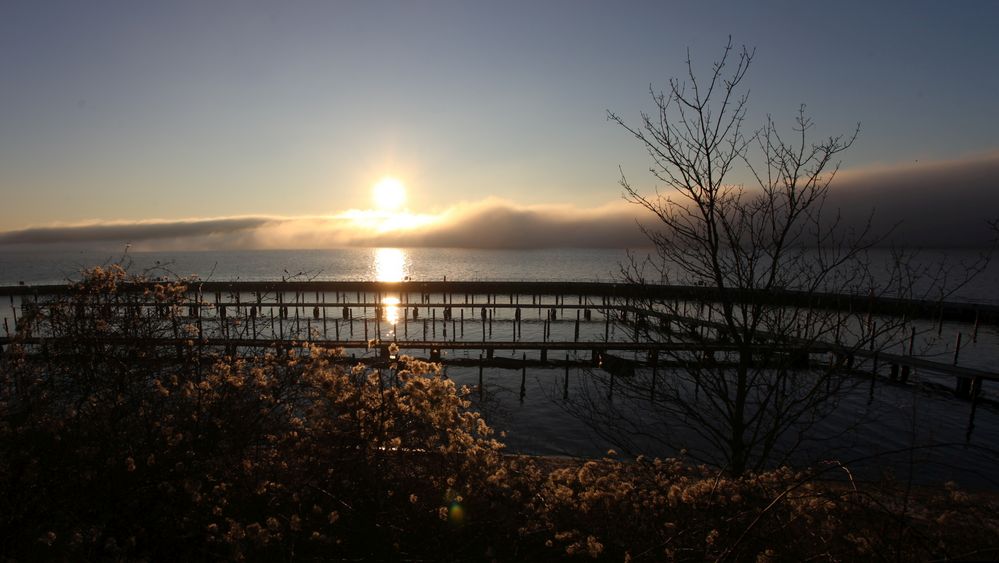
point(595, 321)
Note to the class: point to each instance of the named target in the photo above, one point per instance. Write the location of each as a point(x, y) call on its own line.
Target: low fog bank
point(931, 205)
point(493, 224)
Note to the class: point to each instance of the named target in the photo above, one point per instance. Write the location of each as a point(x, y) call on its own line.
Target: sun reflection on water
point(391, 265)
point(391, 309)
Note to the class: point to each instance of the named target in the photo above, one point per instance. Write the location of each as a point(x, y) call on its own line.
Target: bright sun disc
point(389, 194)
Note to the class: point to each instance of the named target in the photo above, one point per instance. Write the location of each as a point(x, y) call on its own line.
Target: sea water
point(918, 429)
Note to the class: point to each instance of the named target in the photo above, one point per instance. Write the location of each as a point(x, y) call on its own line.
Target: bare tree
point(759, 258)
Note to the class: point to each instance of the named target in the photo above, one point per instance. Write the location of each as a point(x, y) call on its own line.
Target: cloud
point(492, 223)
point(138, 231)
point(927, 204)
point(935, 204)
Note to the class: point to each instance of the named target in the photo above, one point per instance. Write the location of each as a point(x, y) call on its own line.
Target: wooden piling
point(610, 386)
point(957, 348)
point(325, 333)
point(298, 326)
point(963, 385)
point(565, 384)
point(904, 377)
point(976, 390)
point(607, 325)
point(523, 377)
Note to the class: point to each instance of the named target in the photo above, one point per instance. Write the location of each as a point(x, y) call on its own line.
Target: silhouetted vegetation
point(111, 449)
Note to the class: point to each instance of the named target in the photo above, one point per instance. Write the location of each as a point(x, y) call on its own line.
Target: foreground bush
point(112, 448)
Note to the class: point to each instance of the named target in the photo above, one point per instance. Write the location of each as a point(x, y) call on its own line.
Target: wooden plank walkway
point(263, 299)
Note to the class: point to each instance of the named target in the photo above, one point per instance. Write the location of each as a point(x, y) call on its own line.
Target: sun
point(389, 194)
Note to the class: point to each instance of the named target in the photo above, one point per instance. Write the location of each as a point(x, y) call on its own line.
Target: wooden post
point(904, 377)
point(610, 387)
point(565, 384)
point(325, 334)
point(957, 348)
point(280, 300)
point(974, 330)
point(963, 387)
point(576, 332)
point(298, 325)
point(607, 315)
point(480, 377)
point(523, 377)
point(976, 389)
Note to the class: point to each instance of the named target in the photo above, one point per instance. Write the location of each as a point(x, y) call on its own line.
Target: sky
point(266, 124)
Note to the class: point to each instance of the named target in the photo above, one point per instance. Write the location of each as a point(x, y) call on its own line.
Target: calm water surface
point(893, 418)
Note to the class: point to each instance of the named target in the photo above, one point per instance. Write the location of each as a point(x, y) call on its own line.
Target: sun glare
point(390, 264)
point(389, 194)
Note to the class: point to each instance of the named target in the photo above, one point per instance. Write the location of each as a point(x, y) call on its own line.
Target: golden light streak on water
point(391, 309)
point(391, 266)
